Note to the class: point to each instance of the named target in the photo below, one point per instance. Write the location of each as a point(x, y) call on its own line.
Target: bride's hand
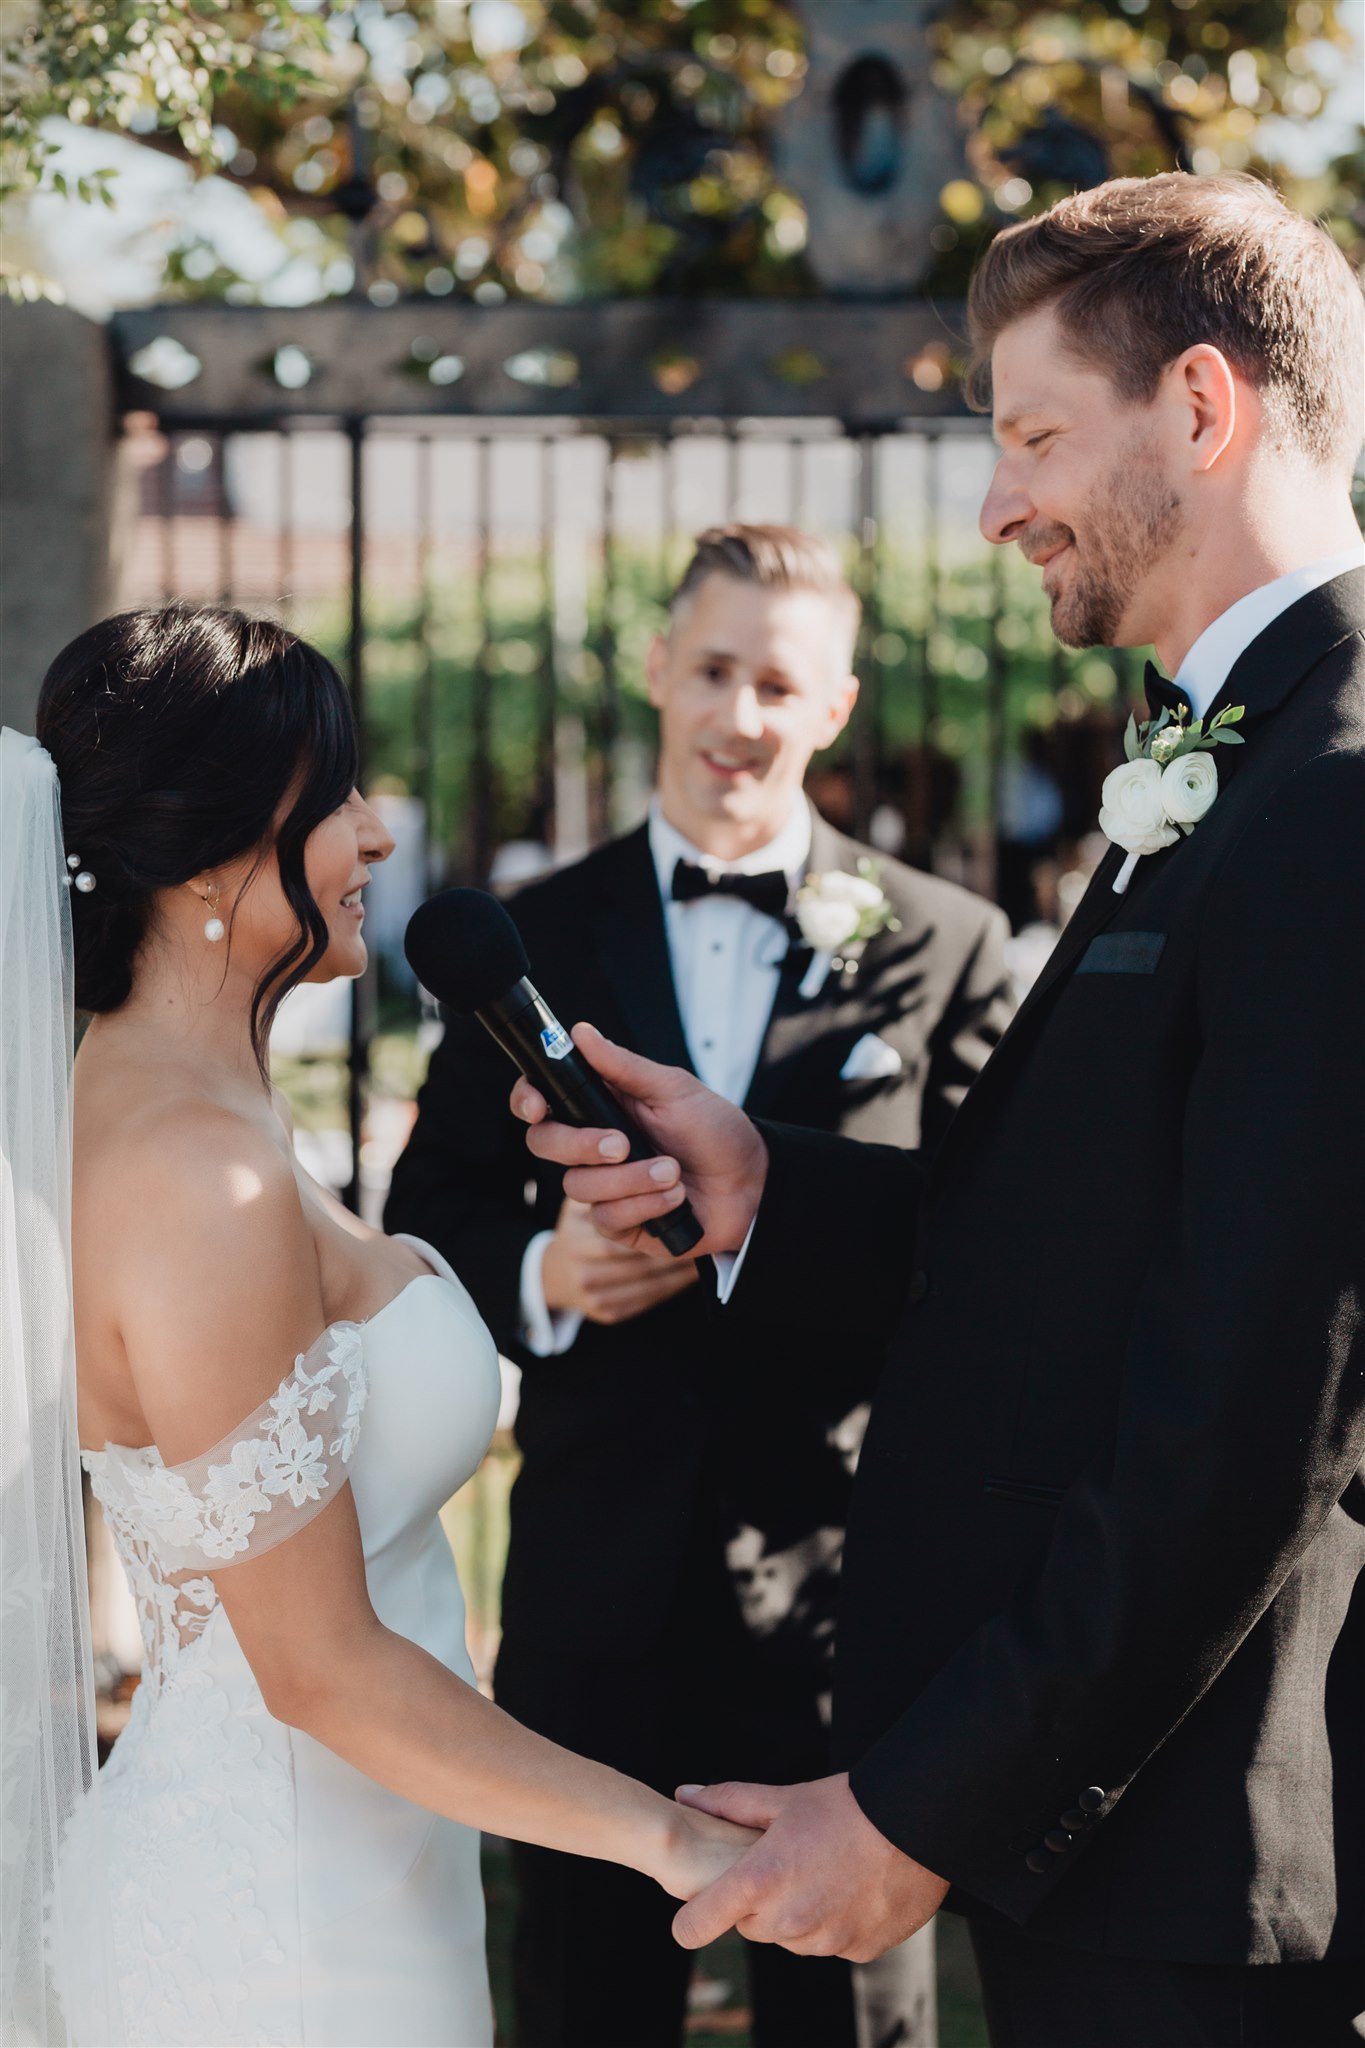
point(699, 1850)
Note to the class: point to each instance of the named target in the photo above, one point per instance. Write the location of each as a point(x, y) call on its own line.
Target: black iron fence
point(480, 512)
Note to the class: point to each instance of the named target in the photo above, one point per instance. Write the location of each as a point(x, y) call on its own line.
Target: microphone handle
point(535, 1041)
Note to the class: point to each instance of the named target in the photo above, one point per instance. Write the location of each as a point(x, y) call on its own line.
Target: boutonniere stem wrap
point(1166, 784)
point(836, 914)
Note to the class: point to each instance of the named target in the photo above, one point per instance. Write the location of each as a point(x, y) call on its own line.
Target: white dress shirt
point(1209, 663)
point(726, 957)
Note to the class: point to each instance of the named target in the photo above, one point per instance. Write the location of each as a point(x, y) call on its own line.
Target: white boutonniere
point(836, 914)
point(1167, 783)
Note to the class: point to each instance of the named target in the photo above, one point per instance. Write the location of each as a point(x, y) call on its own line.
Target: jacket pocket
point(1031, 1491)
point(1123, 953)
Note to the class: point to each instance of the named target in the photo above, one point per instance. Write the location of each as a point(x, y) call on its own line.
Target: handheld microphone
point(464, 948)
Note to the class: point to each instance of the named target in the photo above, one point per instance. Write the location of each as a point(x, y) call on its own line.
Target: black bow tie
point(1162, 695)
point(767, 892)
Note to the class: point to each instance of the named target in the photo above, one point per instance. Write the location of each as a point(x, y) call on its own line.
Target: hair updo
point(177, 733)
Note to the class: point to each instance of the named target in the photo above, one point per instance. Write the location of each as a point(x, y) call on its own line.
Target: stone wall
point(57, 480)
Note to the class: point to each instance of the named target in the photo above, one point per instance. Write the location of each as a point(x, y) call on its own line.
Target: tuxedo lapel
point(796, 1020)
point(1278, 659)
point(1099, 904)
point(632, 944)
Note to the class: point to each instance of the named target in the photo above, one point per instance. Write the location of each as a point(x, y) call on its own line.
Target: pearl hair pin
point(81, 877)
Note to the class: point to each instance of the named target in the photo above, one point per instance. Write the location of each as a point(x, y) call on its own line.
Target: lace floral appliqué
point(241, 1497)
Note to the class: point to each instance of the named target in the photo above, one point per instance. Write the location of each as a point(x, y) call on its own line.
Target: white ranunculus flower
point(837, 887)
point(1132, 812)
point(1188, 788)
point(826, 925)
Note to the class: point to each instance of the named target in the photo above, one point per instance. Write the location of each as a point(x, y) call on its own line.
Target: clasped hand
point(820, 1880)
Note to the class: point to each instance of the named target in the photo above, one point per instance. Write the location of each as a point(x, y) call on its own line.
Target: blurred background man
point(678, 1522)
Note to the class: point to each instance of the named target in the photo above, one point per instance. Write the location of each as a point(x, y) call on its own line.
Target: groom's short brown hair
point(1140, 269)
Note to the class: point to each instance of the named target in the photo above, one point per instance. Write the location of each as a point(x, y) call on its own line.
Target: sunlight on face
point(337, 859)
point(748, 685)
point(1081, 487)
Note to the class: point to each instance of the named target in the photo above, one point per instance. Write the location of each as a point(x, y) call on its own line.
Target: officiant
point(678, 1522)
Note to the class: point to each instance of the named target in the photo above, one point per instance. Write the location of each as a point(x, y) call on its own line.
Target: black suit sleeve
point(972, 1025)
point(1242, 1408)
point(833, 1245)
point(461, 1182)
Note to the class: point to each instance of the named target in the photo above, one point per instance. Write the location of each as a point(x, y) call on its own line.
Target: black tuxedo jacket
point(1102, 1634)
point(638, 1431)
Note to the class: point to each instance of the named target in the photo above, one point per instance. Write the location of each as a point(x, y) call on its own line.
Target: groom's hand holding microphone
point(466, 951)
point(710, 1155)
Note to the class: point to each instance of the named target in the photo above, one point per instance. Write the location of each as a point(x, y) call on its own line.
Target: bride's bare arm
point(217, 1293)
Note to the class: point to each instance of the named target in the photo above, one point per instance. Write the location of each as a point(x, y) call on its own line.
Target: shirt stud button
point(1038, 1861)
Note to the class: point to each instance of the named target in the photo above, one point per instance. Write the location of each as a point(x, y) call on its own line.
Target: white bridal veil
point(47, 1720)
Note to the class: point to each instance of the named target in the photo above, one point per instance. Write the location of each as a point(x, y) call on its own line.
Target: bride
point(274, 1403)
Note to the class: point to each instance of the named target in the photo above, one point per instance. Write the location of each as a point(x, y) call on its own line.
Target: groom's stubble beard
point(1130, 521)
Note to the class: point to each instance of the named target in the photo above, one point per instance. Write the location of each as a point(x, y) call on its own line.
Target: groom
point(1102, 1639)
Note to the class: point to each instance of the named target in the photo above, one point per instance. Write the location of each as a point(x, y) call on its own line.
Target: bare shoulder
point(211, 1272)
point(187, 1164)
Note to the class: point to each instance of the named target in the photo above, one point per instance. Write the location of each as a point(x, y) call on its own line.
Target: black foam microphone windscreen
point(463, 946)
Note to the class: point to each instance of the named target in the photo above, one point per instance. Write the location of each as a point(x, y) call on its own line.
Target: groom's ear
point(1211, 403)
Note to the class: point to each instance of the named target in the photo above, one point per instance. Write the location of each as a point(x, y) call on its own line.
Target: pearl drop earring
point(214, 928)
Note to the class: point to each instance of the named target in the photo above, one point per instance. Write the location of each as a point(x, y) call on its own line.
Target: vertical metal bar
point(222, 517)
point(997, 718)
point(284, 539)
point(548, 710)
point(165, 483)
point(360, 990)
point(424, 721)
point(481, 709)
point(867, 732)
point(668, 510)
point(933, 490)
point(731, 470)
point(609, 709)
point(928, 668)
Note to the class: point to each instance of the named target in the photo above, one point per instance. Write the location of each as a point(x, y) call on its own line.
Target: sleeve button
point(1057, 1840)
point(1092, 1800)
point(1038, 1861)
point(1073, 1819)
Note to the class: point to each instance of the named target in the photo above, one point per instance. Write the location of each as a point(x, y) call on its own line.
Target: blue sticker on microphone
point(556, 1041)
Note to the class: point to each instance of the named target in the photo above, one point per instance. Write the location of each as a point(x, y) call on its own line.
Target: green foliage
point(627, 149)
point(939, 649)
point(154, 68)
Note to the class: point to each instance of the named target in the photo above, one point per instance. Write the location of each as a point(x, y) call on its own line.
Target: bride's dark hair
point(177, 734)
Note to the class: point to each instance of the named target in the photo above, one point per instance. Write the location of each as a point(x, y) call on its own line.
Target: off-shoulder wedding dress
point(263, 1890)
